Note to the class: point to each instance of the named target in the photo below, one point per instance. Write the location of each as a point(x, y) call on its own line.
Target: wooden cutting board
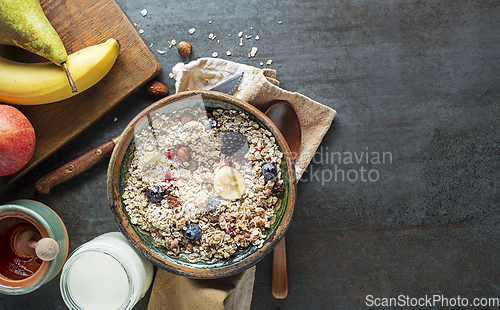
point(82, 23)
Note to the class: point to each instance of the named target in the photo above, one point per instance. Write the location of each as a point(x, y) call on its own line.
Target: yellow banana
point(229, 183)
point(40, 83)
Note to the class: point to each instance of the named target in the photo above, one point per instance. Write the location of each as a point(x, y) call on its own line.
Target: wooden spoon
point(25, 242)
point(285, 118)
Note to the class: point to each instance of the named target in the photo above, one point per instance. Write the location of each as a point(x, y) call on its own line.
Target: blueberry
point(193, 232)
point(269, 171)
point(154, 194)
point(207, 125)
point(213, 202)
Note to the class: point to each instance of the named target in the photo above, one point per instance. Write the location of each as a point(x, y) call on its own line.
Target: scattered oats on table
point(253, 52)
point(183, 204)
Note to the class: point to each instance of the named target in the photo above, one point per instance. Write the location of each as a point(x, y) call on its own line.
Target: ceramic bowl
point(180, 265)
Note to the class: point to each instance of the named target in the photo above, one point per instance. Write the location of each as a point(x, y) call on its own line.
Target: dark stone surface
point(416, 81)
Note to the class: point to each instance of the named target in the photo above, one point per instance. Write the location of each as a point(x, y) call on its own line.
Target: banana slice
point(229, 183)
point(149, 158)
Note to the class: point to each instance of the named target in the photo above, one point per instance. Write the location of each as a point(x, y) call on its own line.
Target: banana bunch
point(40, 83)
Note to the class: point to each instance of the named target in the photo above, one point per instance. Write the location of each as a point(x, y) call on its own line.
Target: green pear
point(24, 24)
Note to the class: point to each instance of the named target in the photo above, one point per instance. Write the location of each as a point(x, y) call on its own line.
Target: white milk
point(98, 281)
point(105, 273)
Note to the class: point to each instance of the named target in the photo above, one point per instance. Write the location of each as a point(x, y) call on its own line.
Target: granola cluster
point(199, 193)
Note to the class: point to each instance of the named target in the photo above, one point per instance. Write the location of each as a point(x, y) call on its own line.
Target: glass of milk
point(105, 273)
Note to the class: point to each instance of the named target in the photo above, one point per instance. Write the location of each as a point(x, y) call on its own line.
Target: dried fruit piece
point(184, 48)
point(172, 201)
point(156, 88)
point(278, 189)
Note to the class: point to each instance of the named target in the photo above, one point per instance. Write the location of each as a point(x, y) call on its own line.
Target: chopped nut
point(157, 88)
point(229, 53)
point(141, 31)
point(161, 52)
point(257, 37)
point(192, 30)
point(240, 34)
point(171, 75)
point(270, 61)
point(183, 153)
point(214, 54)
point(184, 48)
point(144, 12)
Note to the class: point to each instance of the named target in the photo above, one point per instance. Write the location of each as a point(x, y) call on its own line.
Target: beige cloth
point(260, 88)
point(171, 292)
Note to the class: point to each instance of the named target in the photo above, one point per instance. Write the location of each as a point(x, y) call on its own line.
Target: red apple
point(17, 140)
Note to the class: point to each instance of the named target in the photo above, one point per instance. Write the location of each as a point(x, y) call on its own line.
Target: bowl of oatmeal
point(202, 184)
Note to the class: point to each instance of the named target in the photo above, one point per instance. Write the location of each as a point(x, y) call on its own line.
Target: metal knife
point(94, 156)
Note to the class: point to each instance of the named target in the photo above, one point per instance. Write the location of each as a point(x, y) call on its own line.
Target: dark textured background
point(416, 79)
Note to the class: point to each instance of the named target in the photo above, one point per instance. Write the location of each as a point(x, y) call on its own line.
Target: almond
point(183, 154)
point(184, 48)
point(157, 88)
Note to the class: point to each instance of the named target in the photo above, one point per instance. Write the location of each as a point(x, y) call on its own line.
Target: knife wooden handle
point(74, 167)
point(279, 287)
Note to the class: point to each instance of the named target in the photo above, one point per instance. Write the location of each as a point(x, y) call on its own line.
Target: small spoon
point(25, 242)
point(285, 118)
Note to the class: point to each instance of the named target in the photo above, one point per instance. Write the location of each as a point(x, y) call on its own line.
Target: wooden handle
point(46, 249)
point(74, 167)
point(279, 286)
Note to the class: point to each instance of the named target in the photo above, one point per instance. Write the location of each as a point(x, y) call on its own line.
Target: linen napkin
point(260, 88)
point(171, 292)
